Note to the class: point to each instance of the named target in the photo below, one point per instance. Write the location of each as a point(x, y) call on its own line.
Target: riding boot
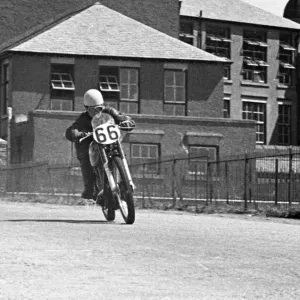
point(88, 176)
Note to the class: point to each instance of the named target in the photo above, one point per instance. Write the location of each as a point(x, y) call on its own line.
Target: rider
point(94, 104)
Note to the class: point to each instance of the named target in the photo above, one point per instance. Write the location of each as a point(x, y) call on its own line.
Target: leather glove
point(127, 125)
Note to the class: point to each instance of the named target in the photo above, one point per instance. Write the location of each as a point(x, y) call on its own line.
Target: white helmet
point(92, 98)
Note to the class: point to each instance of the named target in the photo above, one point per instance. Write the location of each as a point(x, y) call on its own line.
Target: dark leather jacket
point(83, 125)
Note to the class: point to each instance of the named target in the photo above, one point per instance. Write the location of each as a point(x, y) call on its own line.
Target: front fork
point(111, 180)
point(108, 172)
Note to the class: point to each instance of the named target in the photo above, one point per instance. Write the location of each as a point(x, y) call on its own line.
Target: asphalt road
point(68, 252)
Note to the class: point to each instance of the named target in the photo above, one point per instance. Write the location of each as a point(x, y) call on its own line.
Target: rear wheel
point(104, 197)
point(124, 190)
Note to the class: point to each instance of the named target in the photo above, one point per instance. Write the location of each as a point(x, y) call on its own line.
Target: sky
point(274, 6)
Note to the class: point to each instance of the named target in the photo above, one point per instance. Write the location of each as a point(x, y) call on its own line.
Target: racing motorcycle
point(113, 184)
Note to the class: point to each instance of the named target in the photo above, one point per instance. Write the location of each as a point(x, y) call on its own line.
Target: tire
point(107, 207)
point(124, 190)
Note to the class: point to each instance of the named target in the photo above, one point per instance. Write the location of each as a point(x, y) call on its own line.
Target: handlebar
point(88, 135)
point(91, 133)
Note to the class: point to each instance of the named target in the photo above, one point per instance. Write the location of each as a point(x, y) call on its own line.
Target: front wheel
point(104, 196)
point(124, 190)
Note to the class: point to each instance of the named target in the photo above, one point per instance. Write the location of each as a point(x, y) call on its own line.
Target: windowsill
point(281, 86)
point(256, 84)
point(174, 102)
point(129, 100)
point(228, 81)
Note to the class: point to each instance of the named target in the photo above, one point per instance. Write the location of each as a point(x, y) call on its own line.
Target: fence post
point(226, 182)
point(209, 188)
point(250, 182)
point(276, 181)
point(290, 176)
point(196, 181)
point(174, 182)
point(143, 180)
point(245, 182)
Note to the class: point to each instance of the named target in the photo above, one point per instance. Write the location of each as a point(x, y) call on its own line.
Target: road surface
point(70, 252)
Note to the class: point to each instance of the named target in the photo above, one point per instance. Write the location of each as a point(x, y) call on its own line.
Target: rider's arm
point(76, 130)
point(117, 115)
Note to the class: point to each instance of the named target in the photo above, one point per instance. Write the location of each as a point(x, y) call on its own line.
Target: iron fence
point(254, 179)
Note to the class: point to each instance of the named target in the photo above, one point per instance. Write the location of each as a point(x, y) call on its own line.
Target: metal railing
point(252, 179)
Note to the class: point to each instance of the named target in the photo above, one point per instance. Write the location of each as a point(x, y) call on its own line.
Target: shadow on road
point(64, 221)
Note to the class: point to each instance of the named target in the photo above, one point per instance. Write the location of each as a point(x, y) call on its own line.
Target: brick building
point(174, 91)
point(261, 83)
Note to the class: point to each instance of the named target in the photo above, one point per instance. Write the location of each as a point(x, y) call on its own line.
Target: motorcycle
point(113, 184)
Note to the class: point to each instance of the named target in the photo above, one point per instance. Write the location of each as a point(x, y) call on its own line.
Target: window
point(286, 60)
point(175, 100)
point(186, 33)
point(62, 81)
point(255, 57)
point(198, 157)
point(226, 108)
point(61, 104)
point(146, 153)
point(227, 73)
point(5, 88)
point(120, 87)
point(218, 41)
point(62, 87)
point(256, 111)
point(284, 124)
point(129, 84)
point(108, 83)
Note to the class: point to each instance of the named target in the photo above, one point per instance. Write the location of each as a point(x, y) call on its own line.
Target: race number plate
point(106, 133)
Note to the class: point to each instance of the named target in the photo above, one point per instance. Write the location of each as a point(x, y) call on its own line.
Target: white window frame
point(140, 151)
point(127, 86)
point(226, 110)
point(186, 32)
point(284, 123)
point(254, 74)
point(63, 82)
point(257, 114)
point(175, 86)
point(110, 81)
point(255, 57)
point(218, 41)
point(286, 61)
point(227, 72)
point(197, 161)
point(148, 168)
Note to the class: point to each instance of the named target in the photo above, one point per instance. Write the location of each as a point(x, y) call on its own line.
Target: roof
point(234, 11)
point(274, 6)
point(100, 31)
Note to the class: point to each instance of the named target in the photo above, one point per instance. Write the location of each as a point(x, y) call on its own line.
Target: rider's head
point(93, 102)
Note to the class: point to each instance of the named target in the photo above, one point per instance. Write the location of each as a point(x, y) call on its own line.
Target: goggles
point(93, 110)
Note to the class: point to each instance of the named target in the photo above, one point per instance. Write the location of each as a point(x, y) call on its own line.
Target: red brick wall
point(31, 88)
point(86, 77)
point(236, 136)
point(205, 87)
point(30, 83)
